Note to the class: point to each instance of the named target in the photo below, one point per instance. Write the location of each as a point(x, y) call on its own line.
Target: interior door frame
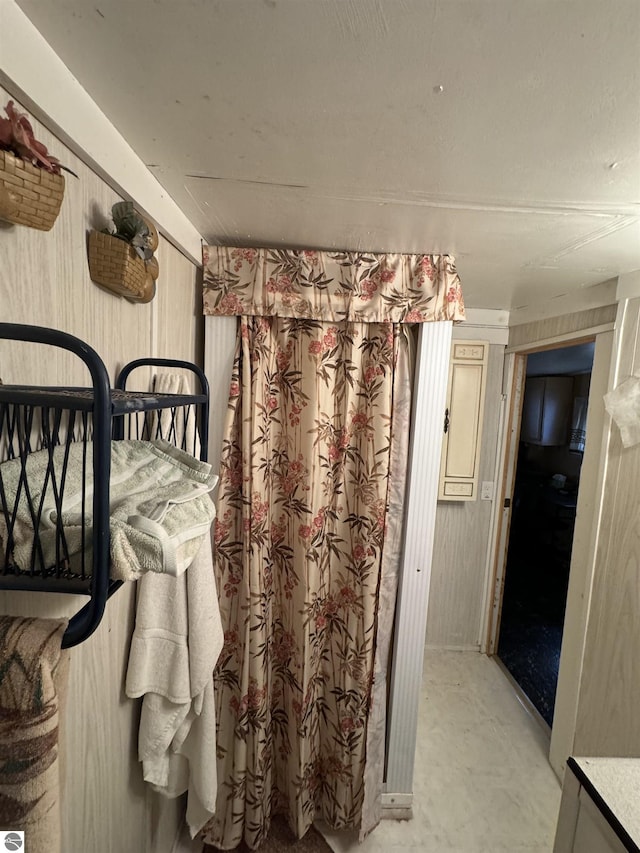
point(514, 386)
point(581, 569)
point(515, 376)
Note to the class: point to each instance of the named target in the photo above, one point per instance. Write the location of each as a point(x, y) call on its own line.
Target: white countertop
point(617, 780)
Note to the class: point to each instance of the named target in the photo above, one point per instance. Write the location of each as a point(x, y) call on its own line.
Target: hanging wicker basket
point(29, 195)
point(114, 264)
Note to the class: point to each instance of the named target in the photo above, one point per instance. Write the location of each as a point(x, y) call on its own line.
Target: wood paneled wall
point(458, 573)
point(44, 279)
point(608, 722)
point(566, 325)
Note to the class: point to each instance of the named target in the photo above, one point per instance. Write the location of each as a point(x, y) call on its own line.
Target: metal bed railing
point(80, 422)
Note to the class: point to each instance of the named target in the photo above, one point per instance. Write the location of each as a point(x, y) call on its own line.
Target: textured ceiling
point(506, 133)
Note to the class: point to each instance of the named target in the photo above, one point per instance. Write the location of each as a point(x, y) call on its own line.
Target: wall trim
point(36, 76)
point(430, 391)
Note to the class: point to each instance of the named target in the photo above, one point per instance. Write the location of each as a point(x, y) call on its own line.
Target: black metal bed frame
point(46, 418)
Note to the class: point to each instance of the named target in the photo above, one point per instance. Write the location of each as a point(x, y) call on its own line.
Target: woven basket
point(29, 195)
point(115, 265)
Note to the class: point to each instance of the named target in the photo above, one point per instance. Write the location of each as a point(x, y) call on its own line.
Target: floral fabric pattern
point(331, 286)
point(406, 344)
point(300, 538)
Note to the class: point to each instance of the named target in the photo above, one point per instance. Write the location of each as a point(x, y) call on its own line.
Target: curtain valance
point(331, 286)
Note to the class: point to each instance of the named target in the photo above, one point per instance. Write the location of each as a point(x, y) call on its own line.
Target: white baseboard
point(397, 806)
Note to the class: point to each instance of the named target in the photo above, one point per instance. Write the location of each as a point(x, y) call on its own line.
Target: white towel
point(172, 427)
point(159, 505)
point(176, 643)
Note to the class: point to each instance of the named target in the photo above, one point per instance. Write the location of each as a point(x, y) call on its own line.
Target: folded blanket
point(33, 678)
point(159, 506)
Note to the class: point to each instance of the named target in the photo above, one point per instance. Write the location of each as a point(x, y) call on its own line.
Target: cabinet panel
point(466, 390)
point(593, 833)
point(463, 421)
point(532, 410)
point(546, 410)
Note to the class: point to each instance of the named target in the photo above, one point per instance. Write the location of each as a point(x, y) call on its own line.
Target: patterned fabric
point(332, 286)
point(281, 840)
point(33, 674)
point(388, 587)
point(299, 536)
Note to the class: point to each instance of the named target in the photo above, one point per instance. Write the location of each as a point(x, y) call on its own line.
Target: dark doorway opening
point(543, 516)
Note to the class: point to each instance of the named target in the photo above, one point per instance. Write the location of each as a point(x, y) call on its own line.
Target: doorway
point(547, 476)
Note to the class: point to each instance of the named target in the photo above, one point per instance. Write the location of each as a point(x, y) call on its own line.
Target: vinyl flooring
point(482, 782)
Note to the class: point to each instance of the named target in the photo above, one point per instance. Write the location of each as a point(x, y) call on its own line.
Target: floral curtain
point(332, 286)
point(308, 534)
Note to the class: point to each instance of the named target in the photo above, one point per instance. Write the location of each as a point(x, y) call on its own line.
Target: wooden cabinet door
point(463, 421)
point(533, 410)
point(546, 410)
